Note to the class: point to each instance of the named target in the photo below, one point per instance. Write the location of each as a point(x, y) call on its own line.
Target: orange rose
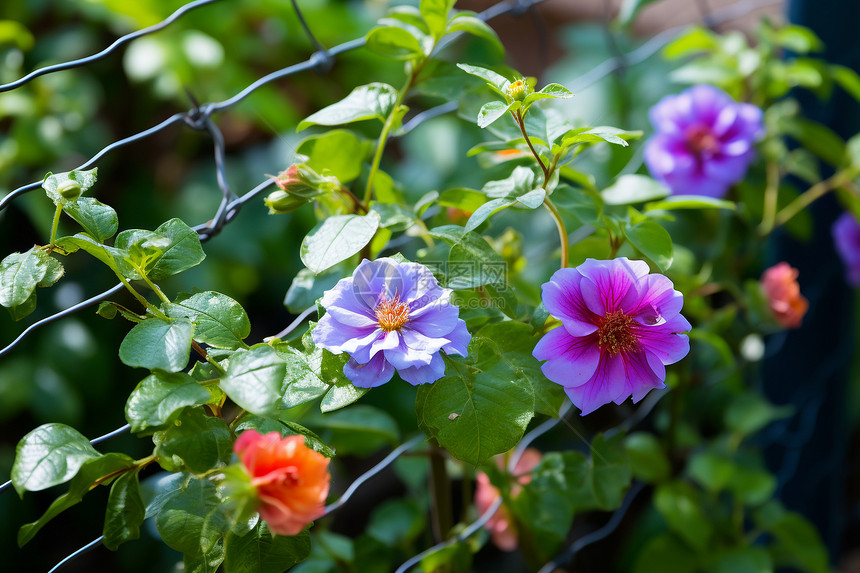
point(501, 524)
point(779, 284)
point(291, 479)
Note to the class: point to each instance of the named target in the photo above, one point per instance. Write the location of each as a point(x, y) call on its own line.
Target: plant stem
point(358, 202)
point(146, 304)
point(154, 287)
point(518, 118)
point(808, 197)
point(440, 488)
point(54, 226)
point(562, 231)
point(771, 194)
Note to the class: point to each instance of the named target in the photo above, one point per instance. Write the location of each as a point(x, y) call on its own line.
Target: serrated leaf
point(158, 344)
point(219, 321)
point(254, 379)
point(337, 238)
point(371, 101)
point(159, 398)
point(49, 455)
point(98, 220)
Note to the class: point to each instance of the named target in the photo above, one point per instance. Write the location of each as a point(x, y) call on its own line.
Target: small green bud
point(69, 190)
point(280, 202)
point(519, 90)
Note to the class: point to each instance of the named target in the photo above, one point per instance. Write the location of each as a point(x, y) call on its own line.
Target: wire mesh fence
point(200, 118)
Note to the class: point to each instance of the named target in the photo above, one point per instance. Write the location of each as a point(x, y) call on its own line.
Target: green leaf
point(156, 343)
point(336, 239)
point(219, 321)
point(681, 506)
point(254, 379)
point(611, 471)
point(182, 252)
point(480, 409)
point(630, 189)
point(195, 441)
point(468, 22)
point(113, 257)
point(395, 42)
point(847, 79)
point(665, 553)
point(493, 110)
point(744, 560)
point(467, 200)
point(397, 521)
point(49, 455)
point(85, 179)
point(654, 242)
point(706, 72)
point(554, 91)
point(90, 471)
point(261, 552)
point(749, 413)
point(98, 220)
point(600, 134)
point(188, 520)
point(629, 10)
point(339, 151)
point(798, 544)
point(496, 81)
point(435, 13)
point(815, 137)
point(472, 262)
point(393, 216)
point(359, 430)
point(798, 39)
point(371, 101)
point(307, 287)
point(529, 200)
point(159, 398)
point(125, 511)
point(20, 274)
point(516, 343)
point(648, 461)
point(676, 202)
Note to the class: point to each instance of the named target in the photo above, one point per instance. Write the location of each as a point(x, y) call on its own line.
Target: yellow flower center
point(392, 314)
point(614, 335)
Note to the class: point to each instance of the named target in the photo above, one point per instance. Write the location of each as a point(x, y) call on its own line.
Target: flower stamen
point(392, 314)
point(701, 139)
point(614, 335)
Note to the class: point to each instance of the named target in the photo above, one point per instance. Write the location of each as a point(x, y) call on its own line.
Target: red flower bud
point(779, 284)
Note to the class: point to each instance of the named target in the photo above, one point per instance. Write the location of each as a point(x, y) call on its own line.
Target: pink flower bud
point(779, 284)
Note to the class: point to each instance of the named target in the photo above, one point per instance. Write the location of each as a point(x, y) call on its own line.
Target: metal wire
point(92, 544)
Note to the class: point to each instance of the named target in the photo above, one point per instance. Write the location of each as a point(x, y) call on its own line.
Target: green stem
point(562, 231)
point(54, 226)
point(386, 129)
point(154, 287)
point(440, 488)
point(771, 195)
point(146, 304)
point(518, 118)
point(808, 197)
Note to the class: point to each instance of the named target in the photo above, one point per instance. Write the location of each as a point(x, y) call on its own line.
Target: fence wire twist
point(199, 118)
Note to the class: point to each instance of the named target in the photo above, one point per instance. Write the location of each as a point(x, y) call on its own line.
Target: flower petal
point(640, 378)
point(605, 283)
point(374, 373)
point(603, 387)
point(562, 297)
point(663, 342)
point(458, 339)
point(424, 374)
point(570, 361)
point(347, 308)
point(337, 338)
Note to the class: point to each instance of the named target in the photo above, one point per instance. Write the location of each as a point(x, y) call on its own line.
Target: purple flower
point(704, 141)
point(388, 316)
point(620, 327)
point(846, 235)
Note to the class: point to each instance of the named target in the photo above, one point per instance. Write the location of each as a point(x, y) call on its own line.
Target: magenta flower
point(703, 142)
point(846, 236)
point(620, 327)
point(390, 315)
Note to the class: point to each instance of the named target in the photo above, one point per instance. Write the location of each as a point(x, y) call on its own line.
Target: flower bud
point(280, 202)
point(519, 90)
point(69, 190)
point(779, 284)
